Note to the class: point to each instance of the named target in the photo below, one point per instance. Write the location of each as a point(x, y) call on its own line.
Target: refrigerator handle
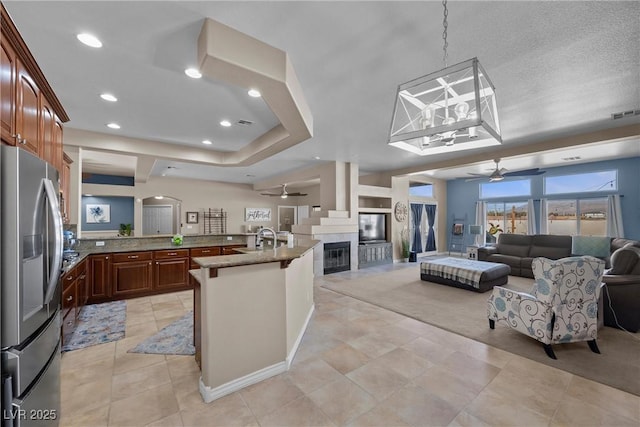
point(54, 272)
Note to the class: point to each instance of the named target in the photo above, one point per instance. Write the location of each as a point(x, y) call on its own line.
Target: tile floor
point(358, 365)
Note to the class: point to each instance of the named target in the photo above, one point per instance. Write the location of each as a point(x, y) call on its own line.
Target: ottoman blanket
point(464, 271)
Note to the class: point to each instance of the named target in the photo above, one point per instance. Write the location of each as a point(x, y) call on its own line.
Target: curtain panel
point(416, 213)
point(431, 234)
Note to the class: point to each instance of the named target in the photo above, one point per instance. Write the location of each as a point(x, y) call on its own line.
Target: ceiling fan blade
point(476, 178)
point(270, 194)
point(477, 175)
point(526, 172)
point(296, 194)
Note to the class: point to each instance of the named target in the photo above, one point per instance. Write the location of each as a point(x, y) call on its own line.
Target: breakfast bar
point(250, 312)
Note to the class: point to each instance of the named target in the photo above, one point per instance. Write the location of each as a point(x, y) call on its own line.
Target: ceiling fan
point(284, 193)
point(500, 174)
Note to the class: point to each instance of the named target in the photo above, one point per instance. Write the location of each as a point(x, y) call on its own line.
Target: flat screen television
point(372, 228)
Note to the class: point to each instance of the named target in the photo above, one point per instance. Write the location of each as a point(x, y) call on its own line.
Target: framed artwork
point(98, 214)
point(458, 229)
point(192, 217)
point(257, 214)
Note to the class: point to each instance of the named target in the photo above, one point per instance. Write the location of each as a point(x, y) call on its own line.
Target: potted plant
point(125, 230)
point(404, 242)
point(492, 231)
point(177, 240)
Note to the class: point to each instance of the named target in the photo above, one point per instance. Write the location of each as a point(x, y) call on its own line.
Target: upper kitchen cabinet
point(31, 115)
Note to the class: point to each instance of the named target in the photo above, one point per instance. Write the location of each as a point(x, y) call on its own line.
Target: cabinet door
point(57, 144)
point(27, 111)
point(203, 252)
point(8, 91)
point(230, 249)
point(131, 278)
point(82, 286)
point(65, 186)
point(99, 270)
point(171, 273)
point(68, 293)
point(47, 120)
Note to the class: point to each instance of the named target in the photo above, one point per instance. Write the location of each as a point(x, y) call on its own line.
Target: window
point(421, 190)
point(584, 217)
point(517, 188)
point(506, 217)
point(582, 183)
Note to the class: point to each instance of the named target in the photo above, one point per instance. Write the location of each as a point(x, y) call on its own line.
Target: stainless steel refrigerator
point(30, 292)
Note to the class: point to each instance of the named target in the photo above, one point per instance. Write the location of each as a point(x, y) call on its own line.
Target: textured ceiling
point(559, 68)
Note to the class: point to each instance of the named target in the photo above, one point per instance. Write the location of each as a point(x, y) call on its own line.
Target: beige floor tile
point(313, 345)
point(405, 362)
point(494, 409)
point(470, 369)
point(85, 397)
point(312, 374)
point(298, 413)
point(620, 402)
point(174, 420)
point(370, 324)
point(94, 417)
point(182, 366)
point(415, 326)
point(164, 322)
point(140, 318)
point(156, 299)
point(227, 411)
point(126, 344)
point(141, 329)
point(417, 407)
point(268, 395)
point(377, 379)
point(137, 380)
point(379, 416)
point(573, 412)
point(342, 400)
point(169, 313)
point(126, 362)
point(187, 393)
point(372, 345)
point(486, 353)
point(545, 375)
point(464, 419)
point(396, 335)
point(341, 312)
point(427, 349)
point(448, 386)
point(143, 408)
point(168, 305)
point(345, 358)
point(74, 376)
point(87, 355)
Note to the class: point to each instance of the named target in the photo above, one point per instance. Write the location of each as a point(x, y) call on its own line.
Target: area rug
point(98, 324)
point(464, 312)
point(176, 338)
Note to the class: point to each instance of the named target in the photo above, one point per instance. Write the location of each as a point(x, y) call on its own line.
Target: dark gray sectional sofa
point(518, 251)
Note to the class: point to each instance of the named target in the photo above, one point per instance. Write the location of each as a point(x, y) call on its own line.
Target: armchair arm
point(621, 279)
point(521, 311)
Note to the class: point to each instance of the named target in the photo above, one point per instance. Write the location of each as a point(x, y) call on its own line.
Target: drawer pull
point(206, 252)
point(172, 253)
point(133, 256)
point(70, 278)
point(70, 298)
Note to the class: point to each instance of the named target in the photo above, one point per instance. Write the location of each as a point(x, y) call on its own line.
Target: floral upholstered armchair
point(562, 306)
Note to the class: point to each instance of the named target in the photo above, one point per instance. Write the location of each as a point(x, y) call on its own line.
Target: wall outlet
point(100, 243)
point(229, 238)
point(189, 227)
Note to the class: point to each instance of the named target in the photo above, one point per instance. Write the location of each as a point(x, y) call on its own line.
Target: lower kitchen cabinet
point(171, 270)
point(74, 297)
point(131, 274)
point(99, 274)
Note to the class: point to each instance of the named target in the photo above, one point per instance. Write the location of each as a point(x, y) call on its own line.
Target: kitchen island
point(250, 313)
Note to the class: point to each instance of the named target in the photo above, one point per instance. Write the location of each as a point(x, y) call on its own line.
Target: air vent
point(245, 122)
point(622, 114)
point(571, 159)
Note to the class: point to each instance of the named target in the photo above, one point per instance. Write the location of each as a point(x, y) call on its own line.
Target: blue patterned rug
point(98, 324)
point(177, 338)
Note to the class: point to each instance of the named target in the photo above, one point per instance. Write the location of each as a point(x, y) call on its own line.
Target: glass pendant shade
point(449, 110)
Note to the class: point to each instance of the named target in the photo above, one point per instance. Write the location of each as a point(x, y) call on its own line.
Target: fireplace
point(337, 257)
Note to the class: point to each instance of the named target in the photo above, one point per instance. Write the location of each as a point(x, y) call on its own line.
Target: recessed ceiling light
point(113, 126)
point(89, 39)
point(207, 142)
point(108, 97)
point(317, 157)
point(225, 123)
point(254, 93)
point(88, 195)
point(193, 73)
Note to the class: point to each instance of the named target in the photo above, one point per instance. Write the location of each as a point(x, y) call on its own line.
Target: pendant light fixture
point(448, 110)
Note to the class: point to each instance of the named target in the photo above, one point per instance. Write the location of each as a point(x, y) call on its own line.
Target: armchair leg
point(549, 351)
point(492, 323)
point(593, 346)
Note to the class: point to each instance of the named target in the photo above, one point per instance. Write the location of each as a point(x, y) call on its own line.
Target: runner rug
point(98, 324)
point(176, 338)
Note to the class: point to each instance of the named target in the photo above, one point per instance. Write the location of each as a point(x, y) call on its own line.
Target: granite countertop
point(256, 256)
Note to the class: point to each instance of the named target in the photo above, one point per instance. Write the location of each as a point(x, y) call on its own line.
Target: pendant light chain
point(445, 24)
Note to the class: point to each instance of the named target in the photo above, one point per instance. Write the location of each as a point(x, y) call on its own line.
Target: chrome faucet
point(260, 241)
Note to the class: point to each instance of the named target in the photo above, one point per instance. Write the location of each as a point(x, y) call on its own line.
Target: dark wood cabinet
point(230, 249)
point(27, 125)
point(131, 274)
point(203, 252)
point(8, 91)
point(74, 297)
point(99, 273)
point(171, 269)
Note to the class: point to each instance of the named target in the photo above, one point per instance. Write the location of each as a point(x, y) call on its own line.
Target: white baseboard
point(294, 349)
point(210, 394)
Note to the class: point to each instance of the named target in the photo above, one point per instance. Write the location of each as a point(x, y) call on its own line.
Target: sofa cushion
point(510, 260)
point(513, 244)
point(550, 246)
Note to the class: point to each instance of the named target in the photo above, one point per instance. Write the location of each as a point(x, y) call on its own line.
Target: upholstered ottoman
point(478, 276)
